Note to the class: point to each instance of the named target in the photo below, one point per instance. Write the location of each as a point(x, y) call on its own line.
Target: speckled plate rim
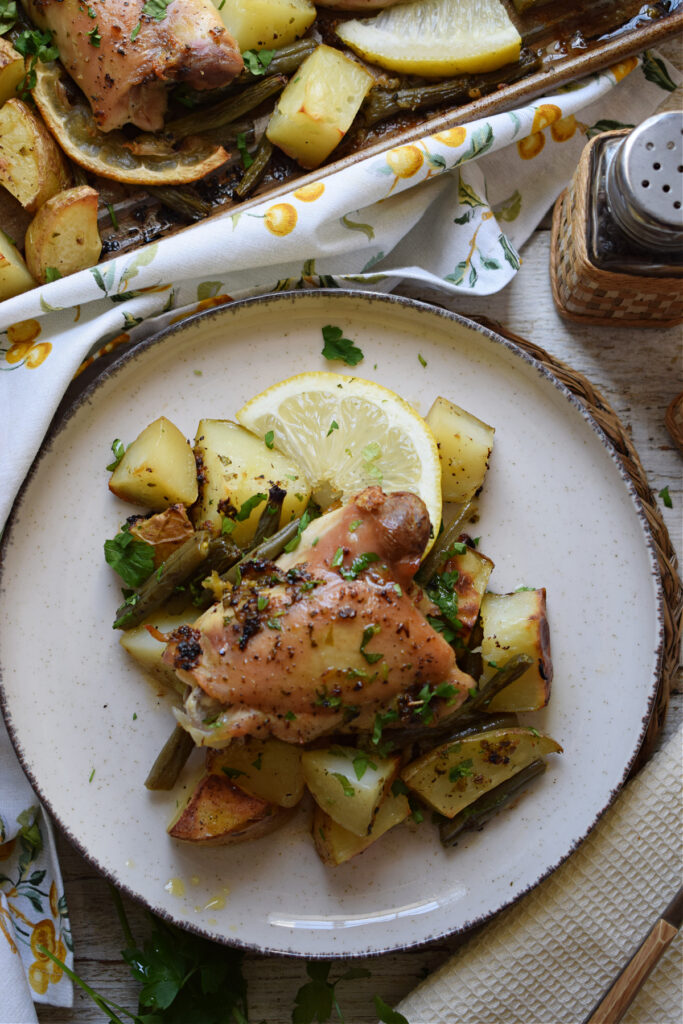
point(68, 410)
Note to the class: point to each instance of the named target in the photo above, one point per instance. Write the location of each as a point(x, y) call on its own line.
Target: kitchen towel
point(550, 957)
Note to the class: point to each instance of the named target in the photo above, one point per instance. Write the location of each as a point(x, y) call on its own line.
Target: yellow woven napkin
point(548, 959)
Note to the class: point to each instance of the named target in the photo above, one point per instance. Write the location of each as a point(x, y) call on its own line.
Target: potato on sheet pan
point(63, 237)
point(32, 167)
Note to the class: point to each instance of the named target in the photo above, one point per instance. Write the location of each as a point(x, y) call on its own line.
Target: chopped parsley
point(112, 215)
point(269, 439)
point(666, 497)
point(156, 9)
point(135, 32)
point(227, 525)
point(440, 626)
point(344, 782)
point(52, 274)
point(423, 361)
point(92, 775)
point(333, 426)
point(8, 15)
point(119, 450)
point(290, 716)
point(94, 36)
point(262, 602)
point(370, 656)
point(249, 505)
point(337, 348)
point(337, 558)
point(306, 518)
point(258, 763)
point(132, 559)
point(361, 763)
point(426, 695)
point(256, 61)
point(273, 624)
point(441, 590)
point(39, 47)
point(382, 719)
point(460, 771)
point(354, 525)
point(323, 699)
point(359, 563)
point(232, 773)
point(247, 158)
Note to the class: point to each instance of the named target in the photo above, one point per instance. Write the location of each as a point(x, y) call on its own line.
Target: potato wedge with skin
point(147, 649)
point(11, 70)
point(317, 106)
point(157, 469)
point(472, 570)
point(335, 845)
point(465, 444)
point(265, 24)
point(235, 466)
point(517, 624)
point(268, 769)
point(331, 775)
point(454, 774)
point(32, 167)
point(219, 813)
point(64, 236)
point(14, 275)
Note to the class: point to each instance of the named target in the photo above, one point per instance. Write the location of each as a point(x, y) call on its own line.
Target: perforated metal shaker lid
point(645, 183)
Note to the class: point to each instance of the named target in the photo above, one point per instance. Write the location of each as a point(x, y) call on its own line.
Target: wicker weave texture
point(585, 292)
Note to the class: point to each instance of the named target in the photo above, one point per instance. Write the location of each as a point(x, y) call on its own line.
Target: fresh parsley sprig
point(339, 348)
point(8, 15)
point(132, 559)
point(39, 47)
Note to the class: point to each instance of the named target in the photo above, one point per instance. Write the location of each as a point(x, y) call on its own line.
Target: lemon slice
point(347, 434)
point(145, 160)
point(434, 38)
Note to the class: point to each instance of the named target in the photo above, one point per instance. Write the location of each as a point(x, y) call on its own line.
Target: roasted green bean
point(170, 761)
point(228, 110)
point(284, 61)
point(172, 573)
point(487, 806)
point(267, 552)
point(257, 168)
point(443, 542)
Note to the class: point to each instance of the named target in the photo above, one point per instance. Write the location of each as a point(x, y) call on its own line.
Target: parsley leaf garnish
point(156, 9)
point(359, 563)
point(94, 36)
point(461, 771)
point(666, 497)
point(333, 426)
point(441, 590)
point(269, 439)
point(8, 15)
point(344, 782)
point(232, 773)
point(382, 719)
point(306, 518)
point(119, 450)
point(337, 558)
point(339, 348)
point(368, 633)
point(247, 158)
point(256, 61)
point(361, 763)
point(132, 559)
point(39, 47)
point(249, 505)
point(427, 695)
point(440, 626)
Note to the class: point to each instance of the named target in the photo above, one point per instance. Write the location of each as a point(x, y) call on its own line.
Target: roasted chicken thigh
point(324, 639)
point(123, 59)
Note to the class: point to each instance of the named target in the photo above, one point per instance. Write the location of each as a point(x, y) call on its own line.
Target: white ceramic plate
point(557, 511)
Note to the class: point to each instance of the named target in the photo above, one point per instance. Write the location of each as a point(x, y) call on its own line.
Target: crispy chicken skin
point(125, 79)
point(313, 643)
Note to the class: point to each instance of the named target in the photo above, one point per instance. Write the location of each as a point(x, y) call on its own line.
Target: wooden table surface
point(639, 372)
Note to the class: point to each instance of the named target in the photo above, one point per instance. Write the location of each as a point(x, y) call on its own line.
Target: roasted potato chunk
point(218, 813)
point(348, 784)
point(234, 467)
point(266, 24)
point(157, 469)
point(63, 237)
point(317, 106)
point(11, 70)
point(336, 845)
point(146, 648)
point(517, 624)
point(456, 773)
point(14, 275)
point(465, 444)
point(267, 769)
point(32, 167)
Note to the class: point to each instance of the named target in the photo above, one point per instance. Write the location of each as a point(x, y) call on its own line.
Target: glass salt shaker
point(618, 230)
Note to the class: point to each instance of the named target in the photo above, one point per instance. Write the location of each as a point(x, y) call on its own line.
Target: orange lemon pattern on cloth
point(23, 347)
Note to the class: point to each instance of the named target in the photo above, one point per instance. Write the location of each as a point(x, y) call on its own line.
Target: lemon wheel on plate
point(436, 38)
point(347, 434)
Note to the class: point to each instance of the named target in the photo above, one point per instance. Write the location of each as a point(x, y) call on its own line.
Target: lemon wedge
point(347, 434)
point(435, 38)
point(144, 160)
